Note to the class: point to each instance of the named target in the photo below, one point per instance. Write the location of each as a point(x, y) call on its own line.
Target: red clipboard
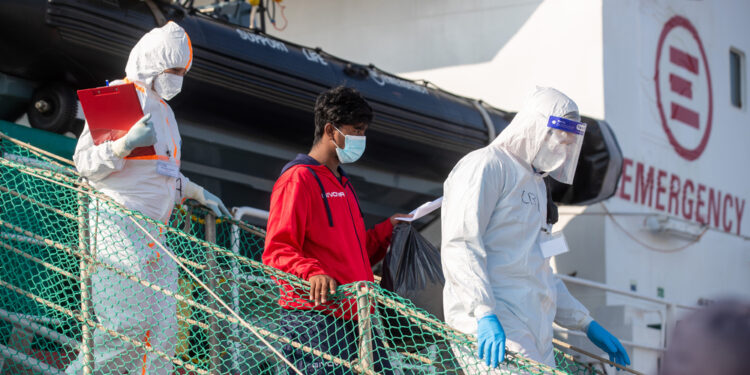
point(110, 112)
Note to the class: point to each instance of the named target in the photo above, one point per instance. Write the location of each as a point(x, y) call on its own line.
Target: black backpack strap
point(323, 195)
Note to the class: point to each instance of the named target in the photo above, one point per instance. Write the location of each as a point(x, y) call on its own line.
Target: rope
point(38, 151)
point(647, 246)
point(99, 326)
point(709, 227)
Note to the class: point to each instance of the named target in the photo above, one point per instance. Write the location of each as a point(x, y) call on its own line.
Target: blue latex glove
point(141, 134)
point(609, 343)
point(491, 340)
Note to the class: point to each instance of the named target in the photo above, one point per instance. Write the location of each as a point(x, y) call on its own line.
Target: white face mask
point(549, 158)
point(168, 85)
point(561, 146)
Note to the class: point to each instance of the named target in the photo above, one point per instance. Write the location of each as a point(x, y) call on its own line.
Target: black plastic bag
point(412, 263)
point(411, 269)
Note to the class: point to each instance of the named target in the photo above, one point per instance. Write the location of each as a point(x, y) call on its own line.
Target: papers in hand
point(423, 210)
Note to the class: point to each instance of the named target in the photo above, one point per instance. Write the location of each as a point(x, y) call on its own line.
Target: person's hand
point(395, 216)
point(204, 197)
point(609, 343)
point(321, 286)
point(141, 134)
point(491, 340)
point(215, 204)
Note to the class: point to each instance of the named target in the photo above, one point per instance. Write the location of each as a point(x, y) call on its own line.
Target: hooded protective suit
point(151, 185)
point(494, 210)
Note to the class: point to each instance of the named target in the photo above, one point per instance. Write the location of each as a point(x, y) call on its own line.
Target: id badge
point(553, 244)
point(167, 169)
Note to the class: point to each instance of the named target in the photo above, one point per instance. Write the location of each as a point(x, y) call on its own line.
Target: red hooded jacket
point(315, 227)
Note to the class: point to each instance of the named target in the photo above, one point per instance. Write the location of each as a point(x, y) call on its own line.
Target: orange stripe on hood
point(190, 46)
point(137, 86)
point(147, 157)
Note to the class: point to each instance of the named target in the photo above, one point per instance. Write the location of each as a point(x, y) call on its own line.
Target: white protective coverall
point(140, 184)
point(494, 209)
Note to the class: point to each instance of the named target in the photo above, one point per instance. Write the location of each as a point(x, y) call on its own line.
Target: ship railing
point(668, 311)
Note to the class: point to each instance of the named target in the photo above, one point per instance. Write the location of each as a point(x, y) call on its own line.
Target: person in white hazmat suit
point(148, 184)
point(498, 282)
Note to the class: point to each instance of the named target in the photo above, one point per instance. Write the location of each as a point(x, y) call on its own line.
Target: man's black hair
point(340, 106)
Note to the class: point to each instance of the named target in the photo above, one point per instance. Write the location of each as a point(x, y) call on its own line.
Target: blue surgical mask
point(353, 149)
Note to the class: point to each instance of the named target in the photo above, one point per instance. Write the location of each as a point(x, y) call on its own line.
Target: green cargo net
point(88, 286)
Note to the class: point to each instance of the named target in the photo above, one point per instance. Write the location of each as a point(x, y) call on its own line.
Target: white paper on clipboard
point(423, 210)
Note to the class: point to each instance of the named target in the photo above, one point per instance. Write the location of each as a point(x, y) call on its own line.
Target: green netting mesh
point(87, 286)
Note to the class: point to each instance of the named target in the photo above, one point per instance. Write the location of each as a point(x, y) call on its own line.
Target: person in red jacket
point(316, 231)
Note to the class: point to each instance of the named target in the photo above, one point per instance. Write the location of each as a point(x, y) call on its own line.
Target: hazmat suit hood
point(162, 48)
point(524, 135)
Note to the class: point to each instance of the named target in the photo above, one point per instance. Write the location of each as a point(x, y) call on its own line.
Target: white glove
point(195, 191)
point(142, 134)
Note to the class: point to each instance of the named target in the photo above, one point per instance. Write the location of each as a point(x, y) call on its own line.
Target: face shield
point(558, 154)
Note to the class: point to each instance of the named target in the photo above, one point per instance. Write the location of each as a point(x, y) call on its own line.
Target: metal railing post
point(365, 327)
point(213, 274)
point(86, 269)
point(234, 347)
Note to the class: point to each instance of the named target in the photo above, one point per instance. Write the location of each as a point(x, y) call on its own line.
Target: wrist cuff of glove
point(194, 191)
point(586, 324)
point(483, 310)
point(120, 148)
